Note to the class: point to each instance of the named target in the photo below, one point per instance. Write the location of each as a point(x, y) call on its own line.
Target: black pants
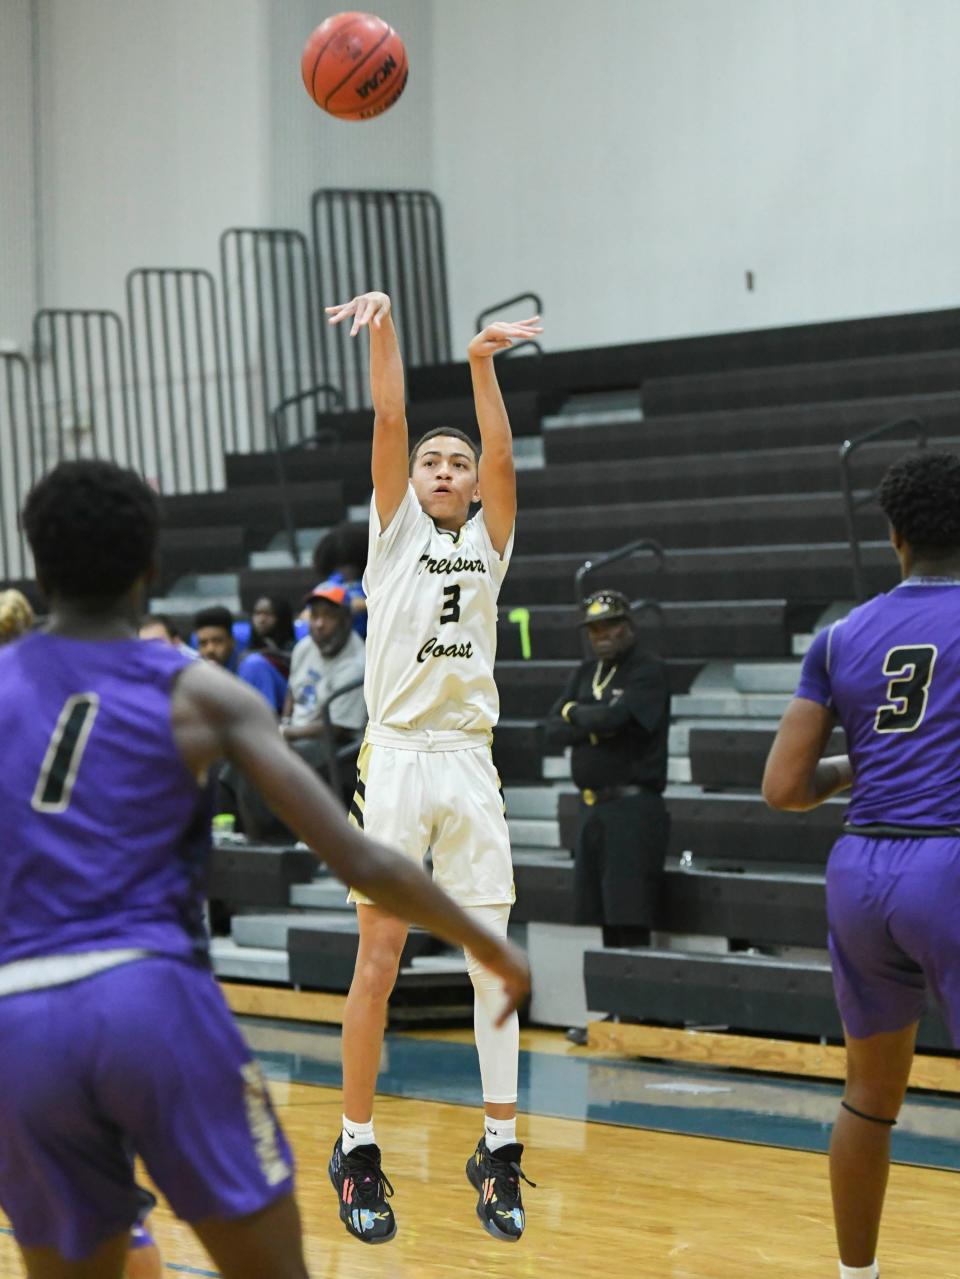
point(618, 865)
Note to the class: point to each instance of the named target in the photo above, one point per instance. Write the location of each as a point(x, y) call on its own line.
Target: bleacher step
point(269, 932)
point(730, 705)
point(534, 832)
point(556, 768)
point(187, 605)
point(538, 802)
point(678, 769)
point(328, 895)
point(250, 963)
point(679, 741)
point(766, 677)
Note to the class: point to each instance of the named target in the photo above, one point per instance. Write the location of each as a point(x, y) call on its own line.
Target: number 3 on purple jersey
point(909, 668)
point(62, 760)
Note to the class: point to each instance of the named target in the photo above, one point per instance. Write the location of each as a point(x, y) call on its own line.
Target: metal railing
point(270, 323)
point(486, 315)
point(336, 749)
point(282, 447)
point(82, 387)
point(388, 240)
point(177, 368)
point(852, 503)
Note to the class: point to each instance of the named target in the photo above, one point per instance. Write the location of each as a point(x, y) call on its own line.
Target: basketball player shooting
point(426, 778)
point(116, 1037)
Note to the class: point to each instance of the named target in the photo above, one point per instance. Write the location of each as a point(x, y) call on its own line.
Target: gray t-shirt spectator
point(314, 677)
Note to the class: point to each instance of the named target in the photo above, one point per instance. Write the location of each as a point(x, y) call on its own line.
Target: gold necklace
point(597, 684)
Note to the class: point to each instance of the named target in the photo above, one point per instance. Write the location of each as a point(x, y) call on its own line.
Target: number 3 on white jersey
point(909, 668)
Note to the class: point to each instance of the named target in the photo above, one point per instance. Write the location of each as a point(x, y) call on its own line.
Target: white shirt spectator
point(314, 677)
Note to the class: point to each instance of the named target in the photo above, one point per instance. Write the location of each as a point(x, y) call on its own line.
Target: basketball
point(354, 66)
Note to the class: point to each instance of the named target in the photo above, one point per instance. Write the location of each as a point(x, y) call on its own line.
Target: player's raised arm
point(390, 446)
point(216, 716)
point(498, 481)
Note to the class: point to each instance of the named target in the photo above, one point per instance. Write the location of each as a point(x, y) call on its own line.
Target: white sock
point(499, 1132)
point(357, 1135)
point(859, 1272)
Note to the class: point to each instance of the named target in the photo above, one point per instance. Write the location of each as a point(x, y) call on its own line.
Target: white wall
point(628, 158)
point(17, 212)
point(308, 149)
point(153, 136)
point(631, 159)
point(164, 123)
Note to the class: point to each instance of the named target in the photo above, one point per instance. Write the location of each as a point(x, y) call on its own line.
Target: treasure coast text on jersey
point(459, 565)
point(433, 647)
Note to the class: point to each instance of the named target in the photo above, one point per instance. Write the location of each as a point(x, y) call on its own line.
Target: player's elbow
point(391, 417)
point(785, 794)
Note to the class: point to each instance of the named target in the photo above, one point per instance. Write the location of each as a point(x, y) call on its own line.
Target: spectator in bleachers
point(272, 632)
point(330, 657)
point(214, 631)
point(615, 714)
point(271, 624)
point(16, 615)
point(341, 557)
point(159, 626)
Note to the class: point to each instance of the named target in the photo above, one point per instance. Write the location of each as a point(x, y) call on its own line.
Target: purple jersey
point(890, 671)
point(105, 833)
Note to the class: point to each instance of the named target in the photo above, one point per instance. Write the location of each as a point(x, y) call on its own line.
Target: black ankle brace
point(872, 1119)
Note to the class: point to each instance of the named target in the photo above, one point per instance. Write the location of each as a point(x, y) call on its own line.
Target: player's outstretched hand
point(510, 965)
point(497, 337)
point(364, 309)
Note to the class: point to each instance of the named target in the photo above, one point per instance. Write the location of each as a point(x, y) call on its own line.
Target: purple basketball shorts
point(893, 906)
point(142, 1057)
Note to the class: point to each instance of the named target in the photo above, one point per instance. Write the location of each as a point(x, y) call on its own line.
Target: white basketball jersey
point(432, 623)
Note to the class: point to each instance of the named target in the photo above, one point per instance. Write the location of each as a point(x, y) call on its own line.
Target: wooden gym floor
point(614, 1198)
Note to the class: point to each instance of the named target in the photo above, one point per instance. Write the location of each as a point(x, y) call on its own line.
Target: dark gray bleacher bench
point(741, 992)
point(784, 426)
point(242, 875)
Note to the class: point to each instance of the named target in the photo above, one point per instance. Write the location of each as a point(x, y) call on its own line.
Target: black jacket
point(620, 737)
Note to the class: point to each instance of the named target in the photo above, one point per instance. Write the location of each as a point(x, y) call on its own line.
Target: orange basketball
point(354, 66)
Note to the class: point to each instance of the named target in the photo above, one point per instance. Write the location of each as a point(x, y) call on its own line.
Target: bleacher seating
point(725, 450)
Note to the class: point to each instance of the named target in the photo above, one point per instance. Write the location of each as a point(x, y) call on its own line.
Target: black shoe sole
point(346, 1223)
point(492, 1230)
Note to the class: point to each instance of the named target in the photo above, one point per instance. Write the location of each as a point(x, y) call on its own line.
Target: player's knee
point(376, 973)
point(483, 979)
point(879, 1098)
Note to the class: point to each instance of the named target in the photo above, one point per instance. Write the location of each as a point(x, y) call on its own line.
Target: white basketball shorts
point(447, 801)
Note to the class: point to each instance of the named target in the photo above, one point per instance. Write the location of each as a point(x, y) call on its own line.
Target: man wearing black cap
point(615, 714)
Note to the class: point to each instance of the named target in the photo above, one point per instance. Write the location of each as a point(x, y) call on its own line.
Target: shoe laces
point(370, 1182)
point(507, 1177)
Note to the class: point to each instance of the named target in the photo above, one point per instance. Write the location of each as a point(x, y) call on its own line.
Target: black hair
point(215, 615)
point(445, 430)
point(283, 635)
point(920, 496)
point(165, 620)
point(93, 529)
point(343, 547)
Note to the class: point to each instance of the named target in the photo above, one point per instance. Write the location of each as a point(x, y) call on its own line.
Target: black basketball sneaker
point(363, 1191)
point(496, 1176)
